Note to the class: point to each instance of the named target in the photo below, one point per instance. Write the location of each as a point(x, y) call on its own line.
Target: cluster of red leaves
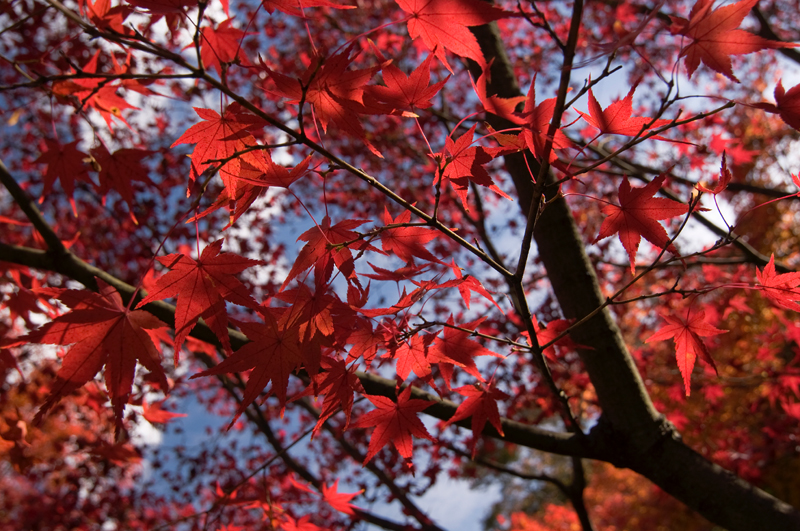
point(104, 333)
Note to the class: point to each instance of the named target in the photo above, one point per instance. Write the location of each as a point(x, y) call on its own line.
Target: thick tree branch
point(26, 203)
point(73, 267)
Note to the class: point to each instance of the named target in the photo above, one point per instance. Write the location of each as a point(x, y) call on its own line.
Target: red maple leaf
point(481, 405)
point(464, 164)
point(365, 340)
point(687, 333)
point(220, 138)
point(406, 92)
point(554, 329)
point(320, 251)
point(537, 123)
point(783, 290)
point(155, 415)
point(469, 284)
point(406, 301)
point(396, 275)
point(616, 118)
point(104, 16)
point(502, 107)
point(260, 170)
point(273, 354)
point(66, 163)
point(787, 105)
point(637, 215)
point(202, 287)
point(456, 349)
point(407, 242)
point(336, 93)
point(339, 500)
point(715, 36)
point(103, 333)
point(725, 177)
point(95, 92)
point(412, 355)
point(443, 24)
point(394, 422)
point(119, 169)
point(337, 383)
point(221, 45)
point(311, 312)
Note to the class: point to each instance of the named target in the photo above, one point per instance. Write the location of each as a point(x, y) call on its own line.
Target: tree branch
point(73, 267)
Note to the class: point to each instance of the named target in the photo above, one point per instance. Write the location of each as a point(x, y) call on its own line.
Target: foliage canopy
point(345, 233)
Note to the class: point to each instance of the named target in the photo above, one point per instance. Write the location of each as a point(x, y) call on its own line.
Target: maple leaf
point(66, 163)
point(724, 178)
point(396, 275)
point(202, 287)
point(337, 383)
point(715, 36)
point(636, 217)
point(117, 170)
point(787, 105)
point(502, 107)
point(537, 123)
point(456, 349)
point(366, 340)
point(406, 92)
point(289, 523)
point(155, 415)
point(616, 118)
point(221, 45)
point(465, 164)
point(412, 356)
point(336, 93)
point(103, 333)
point(95, 92)
point(339, 500)
point(468, 284)
point(553, 330)
point(293, 7)
point(442, 24)
point(260, 170)
point(687, 333)
point(394, 422)
point(104, 16)
point(780, 289)
point(407, 242)
point(406, 301)
point(311, 312)
point(273, 354)
point(320, 249)
point(118, 453)
point(220, 138)
point(246, 194)
point(481, 405)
